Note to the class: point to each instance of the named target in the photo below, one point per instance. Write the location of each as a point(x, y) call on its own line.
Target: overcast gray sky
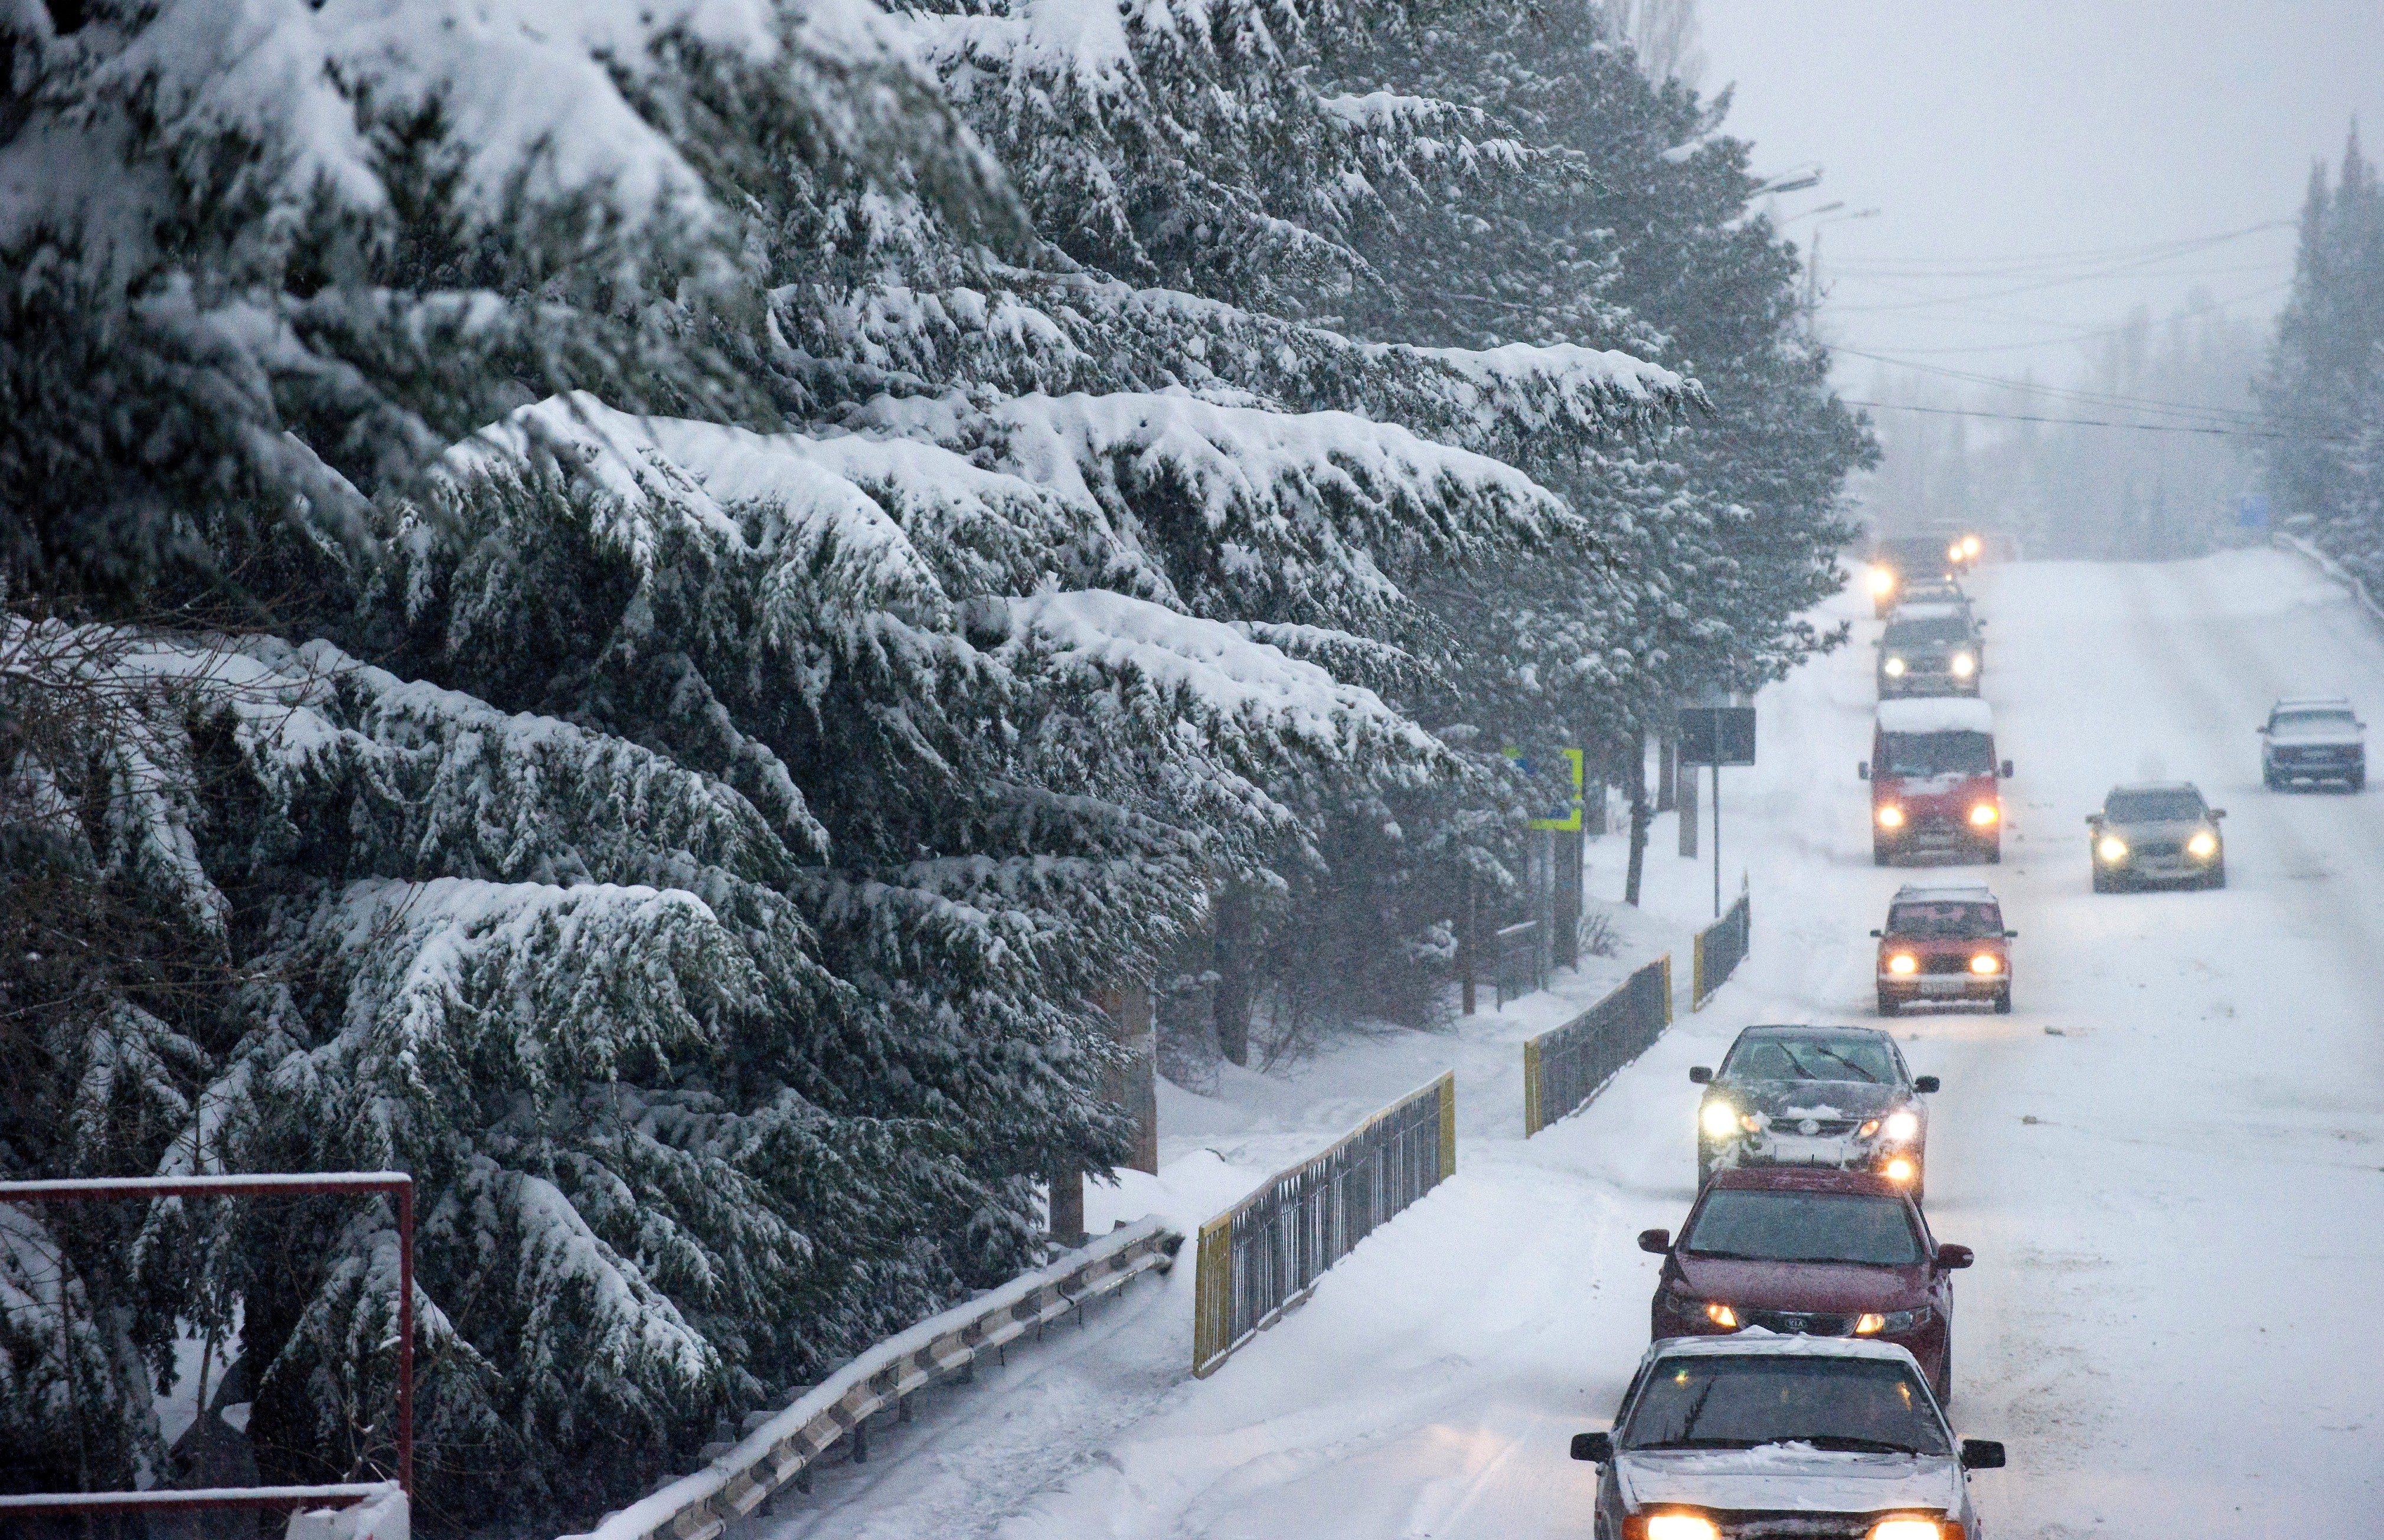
point(2001, 139)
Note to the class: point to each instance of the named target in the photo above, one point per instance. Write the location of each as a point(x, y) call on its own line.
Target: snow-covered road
point(2170, 1158)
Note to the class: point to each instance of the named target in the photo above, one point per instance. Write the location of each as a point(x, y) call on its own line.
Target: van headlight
point(1964, 665)
point(1985, 814)
point(1891, 816)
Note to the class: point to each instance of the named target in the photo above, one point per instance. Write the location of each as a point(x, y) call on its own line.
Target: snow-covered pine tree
point(719, 952)
point(2323, 392)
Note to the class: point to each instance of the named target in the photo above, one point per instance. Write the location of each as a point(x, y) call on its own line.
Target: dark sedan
point(1809, 1252)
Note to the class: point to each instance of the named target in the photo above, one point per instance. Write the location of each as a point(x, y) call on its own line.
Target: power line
point(2240, 415)
point(2062, 282)
point(2100, 331)
point(2095, 422)
point(1930, 266)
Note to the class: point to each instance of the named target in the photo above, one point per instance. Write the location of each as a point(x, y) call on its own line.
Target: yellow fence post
point(1449, 1125)
point(1212, 1296)
point(1666, 961)
point(1531, 1086)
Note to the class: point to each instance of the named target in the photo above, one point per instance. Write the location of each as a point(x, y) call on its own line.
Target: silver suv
point(2313, 739)
point(2161, 832)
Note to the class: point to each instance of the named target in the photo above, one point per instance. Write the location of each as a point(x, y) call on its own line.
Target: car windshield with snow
point(2313, 742)
point(1758, 1433)
point(1813, 1252)
point(1835, 1097)
point(2156, 835)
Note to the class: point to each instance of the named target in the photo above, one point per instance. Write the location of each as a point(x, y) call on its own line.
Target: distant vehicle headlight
point(2202, 846)
point(1882, 581)
point(1954, 551)
point(1719, 1119)
point(2111, 848)
point(1902, 1126)
point(1903, 962)
point(1890, 817)
point(1986, 963)
point(1964, 665)
point(1970, 545)
point(1893, 668)
point(1983, 816)
point(1693, 1526)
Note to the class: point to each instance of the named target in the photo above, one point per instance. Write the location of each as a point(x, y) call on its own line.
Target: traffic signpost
point(1717, 736)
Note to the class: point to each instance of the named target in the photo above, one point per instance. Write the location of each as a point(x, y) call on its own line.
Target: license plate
point(1944, 986)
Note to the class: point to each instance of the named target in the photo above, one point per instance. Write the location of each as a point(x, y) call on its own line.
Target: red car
point(1944, 943)
point(1814, 1252)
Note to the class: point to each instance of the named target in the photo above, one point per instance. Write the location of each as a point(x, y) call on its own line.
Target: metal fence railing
point(1720, 946)
point(1518, 961)
point(1563, 1069)
point(783, 1446)
point(1260, 1257)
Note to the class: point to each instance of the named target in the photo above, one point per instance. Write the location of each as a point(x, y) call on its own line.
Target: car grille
point(1799, 1322)
point(2316, 756)
point(1945, 965)
point(2159, 850)
point(1833, 1128)
point(1794, 1526)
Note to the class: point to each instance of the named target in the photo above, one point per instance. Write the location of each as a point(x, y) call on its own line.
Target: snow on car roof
point(2158, 786)
point(1931, 609)
point(1755, 1342)
point(1943, 892)
point(2314, 702)
point(1939, 714)
point(1817, 1029)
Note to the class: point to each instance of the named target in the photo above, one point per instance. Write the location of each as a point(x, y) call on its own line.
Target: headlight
point(1893, 668)
point(1719, 1119)
point(1954, 551)
point(1903, 962)
point(1882, 581)
point(1964, 665)
point(1970, 546)
point(1902, 1126)
point(2111, 848)
point(1915, 1529)
point(1867, 1129)
point(1695, 1526)
point(1900, 1170)
point(2202, 846)
point(1985, 814)
point(1890, 817)
point(1986, 963)
point(1723, 1315)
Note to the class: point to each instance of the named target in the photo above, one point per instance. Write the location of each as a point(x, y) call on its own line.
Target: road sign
point(1563, 812)
point(2252, 512)
point(1716, 735)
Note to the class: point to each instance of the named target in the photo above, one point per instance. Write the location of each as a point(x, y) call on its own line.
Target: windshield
point(1803, 1227)
point(1802, 1058)
point(1736, 1403)
point(1949, 921)
point(2153, 807)
point(1922, 754)
point(2313, 723)
point(1935, 631)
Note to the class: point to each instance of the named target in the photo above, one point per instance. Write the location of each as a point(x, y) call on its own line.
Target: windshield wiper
point(1849, 1063)
point(1848, 1444)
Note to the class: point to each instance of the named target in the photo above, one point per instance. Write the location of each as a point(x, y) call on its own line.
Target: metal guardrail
point(1264, 1254)
point(1565, 1068)
point(2332, 568)
point(1518, 971)
point(1720, 947)
point(701, 1507)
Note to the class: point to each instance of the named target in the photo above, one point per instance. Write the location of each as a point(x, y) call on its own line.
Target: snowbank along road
point(2170, 1158)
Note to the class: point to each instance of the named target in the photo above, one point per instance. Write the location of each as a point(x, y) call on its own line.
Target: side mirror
point(2262, 729)
point(1862, 769)
point(1598, 1448)
point(1926, 1084)
point(1950, 1256)
point(2006, 770)
point(1978, 1454)
point(1655, 1242)
point(2011, 935)
point(2092, 819)
point(2217, 814)
point(1878, 934)
point(1700, 1076)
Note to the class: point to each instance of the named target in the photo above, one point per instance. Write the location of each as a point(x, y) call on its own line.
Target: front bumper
point(1915, 682)
point(2316, 767)
point(1962, 985)
point(1776, 1148)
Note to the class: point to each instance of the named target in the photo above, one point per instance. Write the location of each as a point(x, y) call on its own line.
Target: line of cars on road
point(1802, 1322)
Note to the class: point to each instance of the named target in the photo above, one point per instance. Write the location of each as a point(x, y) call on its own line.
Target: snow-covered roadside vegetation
point(633, 608)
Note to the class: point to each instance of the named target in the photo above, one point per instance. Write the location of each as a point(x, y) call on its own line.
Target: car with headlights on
point(1930, 649)
point(1760, 1435)
point(1944, 943)
point(1900, 561)
point(2313, 741)
point(2161, 833)
point(1809, 1251)
point(1839, 1096)
point(1934, 781)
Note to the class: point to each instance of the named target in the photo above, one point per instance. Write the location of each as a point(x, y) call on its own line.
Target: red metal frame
point(293, 1184)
